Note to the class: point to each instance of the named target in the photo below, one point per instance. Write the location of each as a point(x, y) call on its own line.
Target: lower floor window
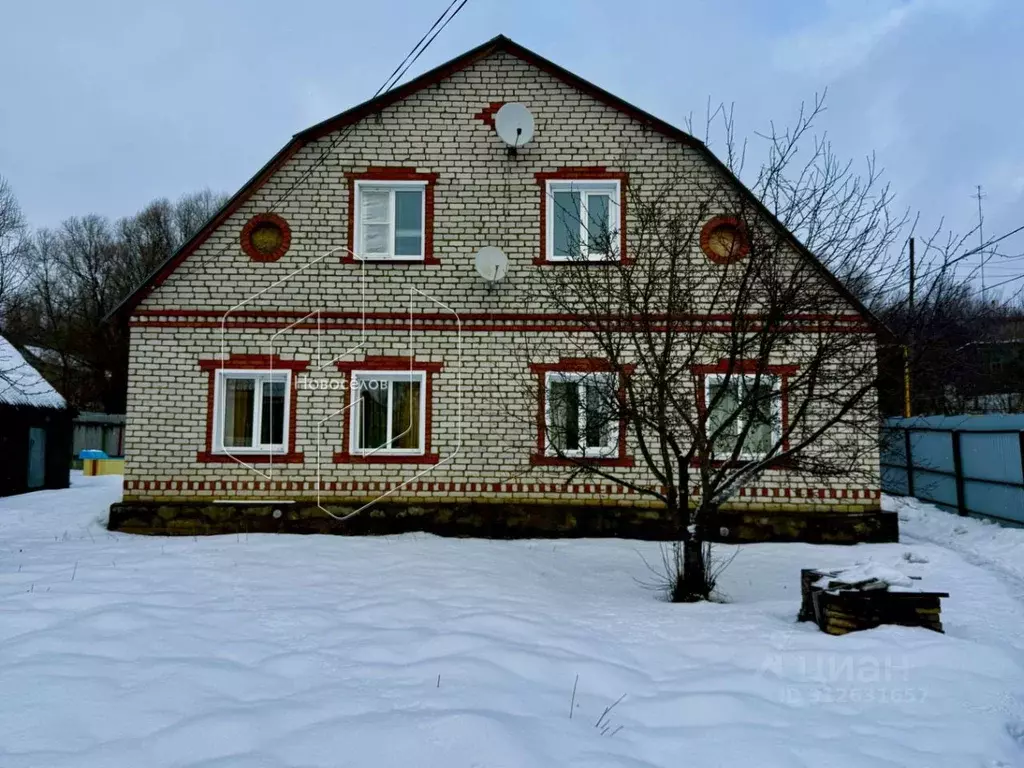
point(389, 413)
point(581, 417)
point(739, 404)
point(251, 411)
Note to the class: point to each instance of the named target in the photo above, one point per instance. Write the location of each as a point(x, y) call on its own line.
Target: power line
point(388, 84)
point(947, 264)
point(463, 3)
point(414, 53)
point(391, 78)
point(1001, 283)
point(981, 239)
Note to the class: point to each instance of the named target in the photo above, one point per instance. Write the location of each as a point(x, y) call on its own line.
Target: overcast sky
point(110, 104)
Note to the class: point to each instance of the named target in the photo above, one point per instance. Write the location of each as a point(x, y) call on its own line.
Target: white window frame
point(589, 452)
point(392, 187)
point(356, 409)
point(219, 410)
point(740, 420)
point(586, 187)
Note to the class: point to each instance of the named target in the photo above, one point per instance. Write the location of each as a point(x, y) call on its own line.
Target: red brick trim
point(471, 322)
point(251, 363)
point(486, 115)
point(266, 218)
point(377, 486)
point(741, 368)
point(389, 363)
point(575, 365)
point(387, 173)
point(722, 221)
point(581, 173)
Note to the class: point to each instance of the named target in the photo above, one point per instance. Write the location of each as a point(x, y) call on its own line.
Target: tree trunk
point(693, 586)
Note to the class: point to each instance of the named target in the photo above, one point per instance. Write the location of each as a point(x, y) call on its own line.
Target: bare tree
point(707, 335)
point(77, 273)
point(13, 246)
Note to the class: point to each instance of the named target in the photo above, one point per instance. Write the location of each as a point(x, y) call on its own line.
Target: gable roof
point(499, 44)
point(23, 385)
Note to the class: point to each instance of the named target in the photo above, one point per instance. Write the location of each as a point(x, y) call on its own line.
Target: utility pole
point(981, 240)
point(908, 410)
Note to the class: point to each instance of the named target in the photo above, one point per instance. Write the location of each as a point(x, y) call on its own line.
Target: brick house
point(278, 381)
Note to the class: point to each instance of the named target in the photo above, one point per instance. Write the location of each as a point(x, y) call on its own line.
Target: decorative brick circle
point(724, 240)
point(266, 237)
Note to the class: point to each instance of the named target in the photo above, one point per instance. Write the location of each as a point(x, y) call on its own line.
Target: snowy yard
point(123, 651)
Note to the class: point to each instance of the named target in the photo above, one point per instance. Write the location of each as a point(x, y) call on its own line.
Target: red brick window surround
point(583, 183)
point(566, 372)
point(364, 220)
point(263, 374)
point(400, 443)
point(738, 372)
point(266, 237)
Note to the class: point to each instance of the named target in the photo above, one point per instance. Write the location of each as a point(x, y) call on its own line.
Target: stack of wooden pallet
point(838, 606)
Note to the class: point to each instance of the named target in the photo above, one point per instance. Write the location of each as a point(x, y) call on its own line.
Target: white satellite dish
point(514, 124)
point(491, 263)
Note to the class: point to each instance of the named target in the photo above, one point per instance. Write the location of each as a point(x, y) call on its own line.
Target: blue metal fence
point(972, 465)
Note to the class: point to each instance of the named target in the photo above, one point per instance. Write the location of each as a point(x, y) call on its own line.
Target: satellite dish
point(514, 124)
point(491, 263)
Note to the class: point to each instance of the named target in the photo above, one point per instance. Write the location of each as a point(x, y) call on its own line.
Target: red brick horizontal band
point(384, 321)
point(506, 328)
point(292, 314)
point(865, 494)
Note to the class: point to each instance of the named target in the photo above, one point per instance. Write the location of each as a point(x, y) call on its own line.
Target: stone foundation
point(497, 521)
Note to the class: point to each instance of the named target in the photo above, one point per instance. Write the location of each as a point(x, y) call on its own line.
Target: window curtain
point(564, 410)
point(272, 414)
point(373, 414)
point(600, 414)
point(405, 415)
point(375, 221)
point(239, 402)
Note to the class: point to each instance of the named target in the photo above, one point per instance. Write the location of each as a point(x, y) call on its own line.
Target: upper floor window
point(390, 219)
point(580, 414)
point(584, 219)
point(251, 411)
point(743, 403)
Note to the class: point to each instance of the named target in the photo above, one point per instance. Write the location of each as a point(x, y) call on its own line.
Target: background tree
point(13, 247)
point(72, 276)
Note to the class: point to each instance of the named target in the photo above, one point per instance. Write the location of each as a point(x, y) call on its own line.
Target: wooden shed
point(35, 428)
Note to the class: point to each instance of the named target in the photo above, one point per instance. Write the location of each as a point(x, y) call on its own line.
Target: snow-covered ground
point(123, 651)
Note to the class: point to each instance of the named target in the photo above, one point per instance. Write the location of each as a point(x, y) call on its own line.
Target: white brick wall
point(482, 197)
